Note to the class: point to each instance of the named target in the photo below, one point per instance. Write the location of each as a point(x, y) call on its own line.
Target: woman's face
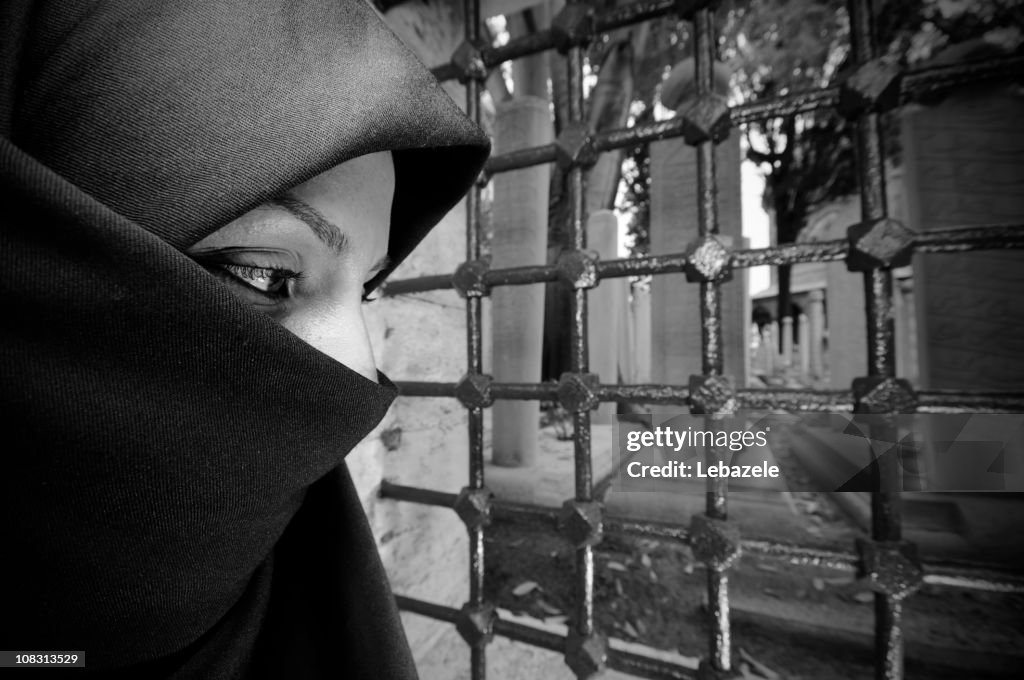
point(304, 257)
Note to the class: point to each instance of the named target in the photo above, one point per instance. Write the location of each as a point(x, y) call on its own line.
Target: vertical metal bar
point(474, 356)
point(878, 290)
point(579, 356)
point(711, 333)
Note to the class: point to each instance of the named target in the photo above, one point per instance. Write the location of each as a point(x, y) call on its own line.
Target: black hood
point(173, 499)
point(181, 116)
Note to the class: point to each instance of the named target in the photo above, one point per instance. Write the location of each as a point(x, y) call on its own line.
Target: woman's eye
point(270, 281)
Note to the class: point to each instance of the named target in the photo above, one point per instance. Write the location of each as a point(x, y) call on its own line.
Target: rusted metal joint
point(581, 522)
point(873, 87)
point(476, 623)
point(469, 63)
point(574, 147)
point(707, 259)
point(573, 26)
point(884, 243)
point(890, 567)
point(474, 390)
point(578, 391)
point(585, 655)
point(878, 394)
point(473, 506)
point(578, 268)
point(712, 395)
point(715, 542)
point(468, 279)
point(707, 118)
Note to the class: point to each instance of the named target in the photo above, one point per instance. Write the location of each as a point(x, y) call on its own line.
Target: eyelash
point(252, 273)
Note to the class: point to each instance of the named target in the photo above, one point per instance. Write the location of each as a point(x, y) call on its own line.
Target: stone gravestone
point(675, 303)
point(844, 294)
point(963, 167)
point(520, 239)
point(605, 316)
point(640, 309)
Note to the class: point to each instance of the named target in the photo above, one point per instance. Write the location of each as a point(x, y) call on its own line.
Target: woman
point(196, 198)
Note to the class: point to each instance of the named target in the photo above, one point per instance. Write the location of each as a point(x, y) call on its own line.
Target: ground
point(796, 622)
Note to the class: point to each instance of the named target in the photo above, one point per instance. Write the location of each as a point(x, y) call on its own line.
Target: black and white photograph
point(512, 339)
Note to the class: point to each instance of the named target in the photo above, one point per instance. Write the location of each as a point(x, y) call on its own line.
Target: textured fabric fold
point(174, 499)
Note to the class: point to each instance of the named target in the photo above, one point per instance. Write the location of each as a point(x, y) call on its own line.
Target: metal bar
point(939, 401)
point(521, 158)
point(583, 621)
point(704, 53)
point(837, 401)
point(474, 359)
point(966, 575)
point(930, 81)
point(420, 284)
point(878, 288)
point(979, 237)
point(796, 400)
point(618, 659)
point(957, 239)
point(791, 253)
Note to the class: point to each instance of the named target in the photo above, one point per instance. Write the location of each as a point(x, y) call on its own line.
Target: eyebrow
point(325, 230)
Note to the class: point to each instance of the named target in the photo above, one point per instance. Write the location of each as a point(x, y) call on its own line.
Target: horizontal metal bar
point(415, 494)
point(839, 401)
point(800, 102)
point(949, 401)
point(791, 253)
point(644, 394)
point(519, 632)
point(408, 388)
point(523, 158)
point(835, 401)
point(837, 560)
point(958, 239)
point(644, 10)
point(519, 276)
point(971, 576)
point(618, 659)
point(434, 611)
point(642, 266)
point(975, 237)
point(524, 46)
point(420, 284)
point(974, 578)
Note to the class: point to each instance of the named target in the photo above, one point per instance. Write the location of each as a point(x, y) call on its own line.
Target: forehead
point(346, 209)
point(356, 196)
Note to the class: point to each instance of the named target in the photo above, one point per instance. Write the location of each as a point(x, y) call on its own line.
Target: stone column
point(907, 333)
point(520, 238)
point(676, 325)
point(816, 320)
point(805, 347)
point(642, 325)
point(604, 317)
point(787, 341)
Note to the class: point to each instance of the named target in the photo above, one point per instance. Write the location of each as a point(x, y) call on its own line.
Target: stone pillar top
point(816, 295)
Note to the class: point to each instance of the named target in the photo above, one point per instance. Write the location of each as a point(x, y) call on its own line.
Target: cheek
point(336, 328)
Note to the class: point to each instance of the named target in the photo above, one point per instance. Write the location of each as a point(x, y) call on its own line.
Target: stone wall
point(422, 442)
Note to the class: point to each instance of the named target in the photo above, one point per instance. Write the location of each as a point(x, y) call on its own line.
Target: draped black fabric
point(172, 494)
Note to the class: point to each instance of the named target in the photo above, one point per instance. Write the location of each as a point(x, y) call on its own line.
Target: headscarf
point(172, 500)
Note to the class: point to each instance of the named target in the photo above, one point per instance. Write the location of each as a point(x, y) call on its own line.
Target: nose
point(340, 332)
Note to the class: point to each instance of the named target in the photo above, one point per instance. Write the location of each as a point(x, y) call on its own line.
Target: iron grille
point(586, 650)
